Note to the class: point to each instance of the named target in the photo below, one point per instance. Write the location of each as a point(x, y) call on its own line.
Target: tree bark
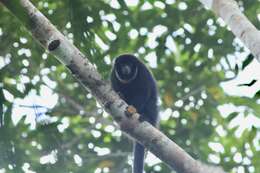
point(239, 24)
point(52, 40)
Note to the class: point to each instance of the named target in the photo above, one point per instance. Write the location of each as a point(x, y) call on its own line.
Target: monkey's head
point(126, 68)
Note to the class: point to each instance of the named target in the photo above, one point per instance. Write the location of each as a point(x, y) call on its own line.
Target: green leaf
point(249, 84)
point(249, 59)
point(236, 69)
point(232, 116)
point(253, 133)
point(1, 107)
point(257, 95)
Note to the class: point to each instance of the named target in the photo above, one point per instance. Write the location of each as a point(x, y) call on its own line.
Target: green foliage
point(248, 60)
point(188, 51)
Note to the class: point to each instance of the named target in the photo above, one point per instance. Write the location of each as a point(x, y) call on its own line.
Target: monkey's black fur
point(137, 87)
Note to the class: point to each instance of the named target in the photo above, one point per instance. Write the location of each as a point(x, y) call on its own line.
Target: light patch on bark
point(207, 3)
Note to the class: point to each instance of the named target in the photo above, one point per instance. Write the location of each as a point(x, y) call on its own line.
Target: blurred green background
point(209, 87)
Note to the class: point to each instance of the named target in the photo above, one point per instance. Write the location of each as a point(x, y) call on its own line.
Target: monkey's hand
point(130, 110)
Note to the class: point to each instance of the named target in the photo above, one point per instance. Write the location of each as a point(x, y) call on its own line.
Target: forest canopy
point(209, 87)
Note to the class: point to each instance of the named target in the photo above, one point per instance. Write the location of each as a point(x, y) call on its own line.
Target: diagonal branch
point(239, 24)
point(50, 38)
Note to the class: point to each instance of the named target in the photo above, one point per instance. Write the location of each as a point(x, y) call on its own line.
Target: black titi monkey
point(136, 85)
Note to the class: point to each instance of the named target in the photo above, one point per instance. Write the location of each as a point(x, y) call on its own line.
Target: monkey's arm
point(139, 100)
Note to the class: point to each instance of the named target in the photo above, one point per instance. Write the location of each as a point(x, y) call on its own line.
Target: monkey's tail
point(138, 158)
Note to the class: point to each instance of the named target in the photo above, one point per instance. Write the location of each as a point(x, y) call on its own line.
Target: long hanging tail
point(138, 158)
